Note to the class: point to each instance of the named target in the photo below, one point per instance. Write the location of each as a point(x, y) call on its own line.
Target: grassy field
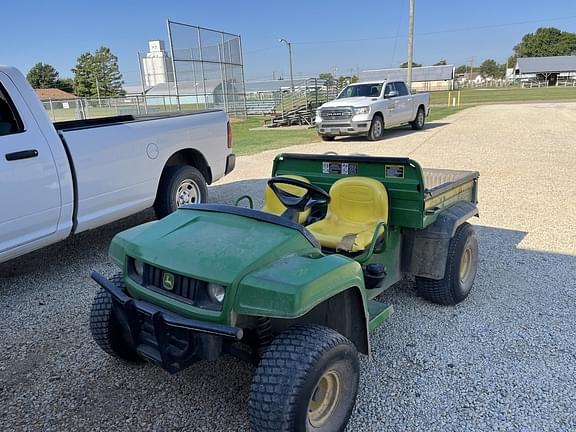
point(247, 141)
point(470, 97)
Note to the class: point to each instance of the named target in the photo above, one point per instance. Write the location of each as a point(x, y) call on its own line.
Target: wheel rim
point(324, 398)
point(187, 193)
point(420, 118)
point(465, 266)
point(377, 128)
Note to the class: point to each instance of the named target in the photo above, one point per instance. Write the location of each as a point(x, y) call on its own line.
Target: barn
point(552, 71)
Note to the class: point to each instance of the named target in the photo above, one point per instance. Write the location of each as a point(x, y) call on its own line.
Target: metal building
point(424, 78)
point(553, 71)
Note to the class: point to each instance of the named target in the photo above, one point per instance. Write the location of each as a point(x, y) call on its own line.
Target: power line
point(454, 30)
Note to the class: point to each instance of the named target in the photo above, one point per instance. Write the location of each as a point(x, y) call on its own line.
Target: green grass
point(477, 96)
point(248, 141)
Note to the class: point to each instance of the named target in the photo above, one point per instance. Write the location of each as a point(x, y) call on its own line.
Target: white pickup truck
point(63, 178)
point(368, 108)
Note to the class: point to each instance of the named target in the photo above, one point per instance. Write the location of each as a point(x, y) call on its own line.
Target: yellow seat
point(356, 207)
point(273, 205)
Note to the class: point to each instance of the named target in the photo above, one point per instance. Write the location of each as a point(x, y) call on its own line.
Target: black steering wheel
point(294, 203)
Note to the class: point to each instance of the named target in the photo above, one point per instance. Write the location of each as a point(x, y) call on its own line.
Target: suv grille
point(336, 114)
point(181, 286)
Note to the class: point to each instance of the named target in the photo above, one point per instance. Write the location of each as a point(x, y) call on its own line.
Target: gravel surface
point(503, 360)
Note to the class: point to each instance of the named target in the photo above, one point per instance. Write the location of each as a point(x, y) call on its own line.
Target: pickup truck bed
point(109, 121)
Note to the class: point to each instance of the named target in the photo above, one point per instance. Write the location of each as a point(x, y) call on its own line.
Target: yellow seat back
point(273, 205)
point(360, 200)
point(356, 207)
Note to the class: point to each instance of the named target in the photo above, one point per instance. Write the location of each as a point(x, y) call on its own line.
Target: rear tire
point(460, 272)
point(178, 186)
point(376, 131)
point(105, 328)
point(327, 137)
point(420, 119)
point(307, 381)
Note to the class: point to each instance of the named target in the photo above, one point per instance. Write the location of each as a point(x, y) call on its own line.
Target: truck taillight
point(229, 133)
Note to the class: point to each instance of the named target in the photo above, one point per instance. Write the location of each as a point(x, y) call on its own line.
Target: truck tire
point(179, 185)
point(460, 272)
point(307, 380)
point(376, 131)
point(105, 328)
point(327, 137)
point(420, 119)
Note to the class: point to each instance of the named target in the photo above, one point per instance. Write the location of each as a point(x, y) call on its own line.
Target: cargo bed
point(416, 195)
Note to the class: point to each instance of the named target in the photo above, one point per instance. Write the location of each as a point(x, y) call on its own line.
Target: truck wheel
point(460, 272)
point(105, 328)
point(307, 380)
point(376, 131)
point(179, 185)
point(420, 119)
point(327, 137)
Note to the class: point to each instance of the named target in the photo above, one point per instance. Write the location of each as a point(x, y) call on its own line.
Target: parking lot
point(505, 359)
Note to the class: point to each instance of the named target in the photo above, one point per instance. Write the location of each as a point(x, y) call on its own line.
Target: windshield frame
point(367, 86)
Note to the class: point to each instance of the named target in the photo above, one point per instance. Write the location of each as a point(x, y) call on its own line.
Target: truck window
point(10, 122)
point(401, 88)
point(356, 90)
point(389, 88)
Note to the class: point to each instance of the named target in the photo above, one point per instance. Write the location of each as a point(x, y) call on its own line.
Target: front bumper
point(359, 124)
point(166, 339)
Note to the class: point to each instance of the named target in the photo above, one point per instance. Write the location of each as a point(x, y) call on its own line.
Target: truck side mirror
point(391, 94)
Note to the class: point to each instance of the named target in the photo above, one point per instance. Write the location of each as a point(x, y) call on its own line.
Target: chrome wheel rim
point(187, 193)
point(420, 118)
point(377, 128)
point(465, 266)
point(324, 398)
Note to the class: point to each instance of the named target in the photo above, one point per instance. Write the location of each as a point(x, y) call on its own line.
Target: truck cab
point(367, 108)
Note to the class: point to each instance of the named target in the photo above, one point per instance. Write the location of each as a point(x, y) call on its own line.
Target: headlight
point(139, 268)
point(216, 293)
point(318, 112)
point(136, 270)
point(362, 110)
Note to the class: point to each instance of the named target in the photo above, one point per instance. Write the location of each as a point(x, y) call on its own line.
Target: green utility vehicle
point(294, 285)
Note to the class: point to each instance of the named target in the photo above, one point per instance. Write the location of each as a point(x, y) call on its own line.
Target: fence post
point(52, 110)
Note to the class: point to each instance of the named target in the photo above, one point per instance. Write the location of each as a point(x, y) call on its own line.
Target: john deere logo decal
point(168, 281)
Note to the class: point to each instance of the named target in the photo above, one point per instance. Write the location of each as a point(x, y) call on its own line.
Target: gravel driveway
point(505, 359)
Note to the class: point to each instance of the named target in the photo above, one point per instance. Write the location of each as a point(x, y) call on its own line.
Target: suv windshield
point(356, 90)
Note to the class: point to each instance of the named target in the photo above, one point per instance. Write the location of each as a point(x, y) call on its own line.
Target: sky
point(332, 36)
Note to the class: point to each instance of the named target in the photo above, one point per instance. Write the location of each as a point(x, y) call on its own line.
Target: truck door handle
point(24, 154)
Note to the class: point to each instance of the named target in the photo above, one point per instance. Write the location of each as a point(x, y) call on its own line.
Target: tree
point(97, 74)
point(414, 64)
point(65, 84)
point(489, 69)
point(462, 69)
point(326, 76)
point(42, 75)
point(546, 41)
point(440, 63)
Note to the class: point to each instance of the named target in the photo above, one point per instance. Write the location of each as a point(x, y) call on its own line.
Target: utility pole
point(290, 59)
point(410, 44)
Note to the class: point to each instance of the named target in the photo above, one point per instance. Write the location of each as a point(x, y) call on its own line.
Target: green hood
point(211, 246)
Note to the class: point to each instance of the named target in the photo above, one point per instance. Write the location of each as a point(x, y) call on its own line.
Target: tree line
point(544, 42)
point(95, 75)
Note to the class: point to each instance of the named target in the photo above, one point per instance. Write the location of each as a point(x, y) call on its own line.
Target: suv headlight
point(362, 110)
point(318, 112)
point(216, 293)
